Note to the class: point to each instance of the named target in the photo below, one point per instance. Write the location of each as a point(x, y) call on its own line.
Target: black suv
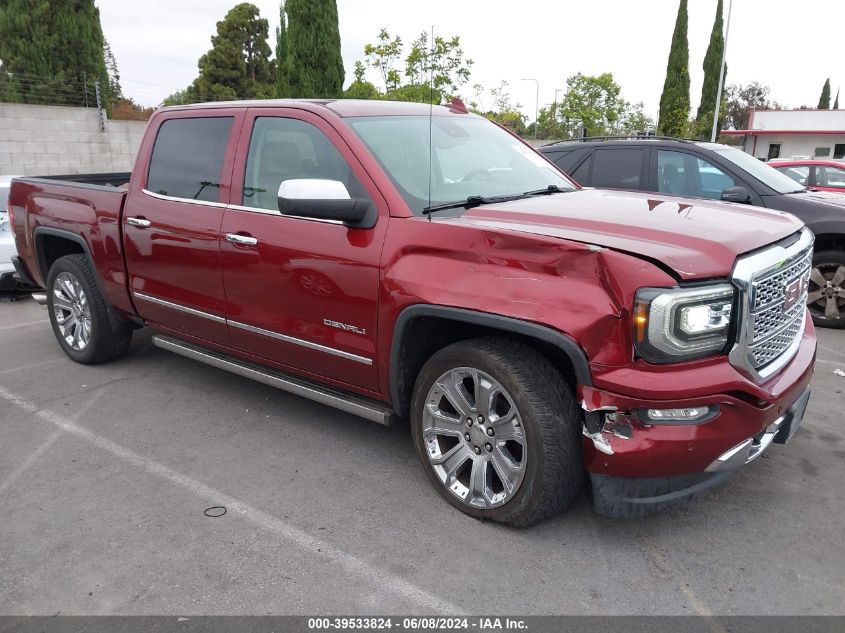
point(719, 172)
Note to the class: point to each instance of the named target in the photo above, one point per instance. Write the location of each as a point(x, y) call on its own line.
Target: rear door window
point(798, 173)
point(187, 159)
point(617, 168)
point(830, 176)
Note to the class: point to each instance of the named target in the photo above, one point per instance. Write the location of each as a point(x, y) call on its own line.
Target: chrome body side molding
point(255, 330)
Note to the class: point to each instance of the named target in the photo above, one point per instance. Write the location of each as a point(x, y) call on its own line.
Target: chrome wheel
point(474, 437)
point(826, 296)
point(72, 311)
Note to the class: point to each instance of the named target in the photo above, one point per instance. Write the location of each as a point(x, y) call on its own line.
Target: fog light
point(680, 415)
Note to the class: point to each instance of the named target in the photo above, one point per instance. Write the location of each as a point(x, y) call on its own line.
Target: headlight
point(671, 325)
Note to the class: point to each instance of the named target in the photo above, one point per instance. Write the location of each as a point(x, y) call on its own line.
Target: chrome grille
point(775, 329)
point(770, 289)
point(769, 330)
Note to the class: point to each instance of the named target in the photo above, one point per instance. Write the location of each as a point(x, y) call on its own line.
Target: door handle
point(142, 223)
point(241, 240)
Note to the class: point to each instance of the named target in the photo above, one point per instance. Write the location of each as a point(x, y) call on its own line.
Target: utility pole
point(536, 104)
point(718, 107)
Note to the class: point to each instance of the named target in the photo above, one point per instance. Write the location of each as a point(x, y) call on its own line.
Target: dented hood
point(695, 238)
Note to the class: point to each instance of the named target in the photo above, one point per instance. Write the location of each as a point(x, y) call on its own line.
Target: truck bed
point(110, 179)
point(72, 213)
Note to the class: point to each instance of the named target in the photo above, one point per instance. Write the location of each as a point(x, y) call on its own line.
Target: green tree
point(51, 52)
point(433, 72)
point(741, 100)
point(238, 64)
point(824, 99)
point(383, 56)
point(282, 56)
point(114, 89)
point(675, 101)
point(634, 120)
point(504, 111)
point(442, 64)
point(712, 69)
point(593, 103)
point(361, 88)
point(316, 65)
point(836, 103)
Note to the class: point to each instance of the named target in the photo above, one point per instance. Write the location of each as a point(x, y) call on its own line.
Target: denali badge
point(793, 292)
point(344, 326)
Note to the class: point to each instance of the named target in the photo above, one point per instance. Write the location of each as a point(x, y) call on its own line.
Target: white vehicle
point(7, 239)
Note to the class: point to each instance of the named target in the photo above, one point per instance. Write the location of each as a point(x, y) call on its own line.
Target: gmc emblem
point(793, 292)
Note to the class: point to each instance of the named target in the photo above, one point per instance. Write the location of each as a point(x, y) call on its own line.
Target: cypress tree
point(836, 103)
point(674, 102)
point(52, 52)
point(238, 65)
point(712, 67)
point(282, 56)
point(313, 41)
point(824, 99)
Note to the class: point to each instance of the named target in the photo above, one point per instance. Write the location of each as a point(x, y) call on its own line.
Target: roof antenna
point(430, 112)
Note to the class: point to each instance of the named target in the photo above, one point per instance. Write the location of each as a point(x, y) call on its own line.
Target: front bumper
point(638, 468)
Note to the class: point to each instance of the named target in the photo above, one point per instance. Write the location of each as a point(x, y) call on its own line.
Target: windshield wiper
point(547, 191)
point(470, 202)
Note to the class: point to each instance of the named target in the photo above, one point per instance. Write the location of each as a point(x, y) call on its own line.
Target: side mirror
point(321, 200)
point(736, 194)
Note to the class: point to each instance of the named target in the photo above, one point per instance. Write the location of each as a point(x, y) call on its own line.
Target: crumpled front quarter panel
point(581, 290)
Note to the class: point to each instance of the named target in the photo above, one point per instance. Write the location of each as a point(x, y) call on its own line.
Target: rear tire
point(498, 431)
point(826, 294)
point(79, 314)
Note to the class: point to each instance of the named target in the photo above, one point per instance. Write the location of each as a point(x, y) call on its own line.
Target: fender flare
point(562, 341)
point(44, 269)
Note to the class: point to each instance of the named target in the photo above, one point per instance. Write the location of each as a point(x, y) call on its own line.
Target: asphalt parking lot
point(105, 473)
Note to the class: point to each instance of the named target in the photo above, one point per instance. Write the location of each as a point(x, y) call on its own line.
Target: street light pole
point(536, 105)
point(721, 76)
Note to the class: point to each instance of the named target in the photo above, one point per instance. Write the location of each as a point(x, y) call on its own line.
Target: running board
point(355, 405)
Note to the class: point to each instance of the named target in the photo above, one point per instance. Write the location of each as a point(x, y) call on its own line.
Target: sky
point(791, 48)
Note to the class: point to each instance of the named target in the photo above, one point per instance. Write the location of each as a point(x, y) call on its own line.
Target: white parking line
point(43, 363)
point(27, 324)
point(384, 581)
point(832, 351)
point(29, 461)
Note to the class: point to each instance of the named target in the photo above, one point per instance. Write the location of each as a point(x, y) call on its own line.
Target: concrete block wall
point(50, 140)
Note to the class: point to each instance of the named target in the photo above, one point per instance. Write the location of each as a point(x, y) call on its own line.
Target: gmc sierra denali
point(400, 261)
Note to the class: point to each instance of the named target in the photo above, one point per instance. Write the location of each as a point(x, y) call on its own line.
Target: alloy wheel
point(72, 311)
point(474, 437)
point(826, 296)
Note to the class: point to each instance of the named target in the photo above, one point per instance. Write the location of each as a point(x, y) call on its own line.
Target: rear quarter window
point(187, 158)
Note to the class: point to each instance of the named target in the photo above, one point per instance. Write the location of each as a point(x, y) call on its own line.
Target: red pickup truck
point(397, 261)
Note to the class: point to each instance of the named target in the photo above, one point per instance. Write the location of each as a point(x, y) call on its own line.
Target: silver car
point(7, 239)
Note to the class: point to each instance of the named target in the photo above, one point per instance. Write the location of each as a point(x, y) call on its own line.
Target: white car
point(7, 239)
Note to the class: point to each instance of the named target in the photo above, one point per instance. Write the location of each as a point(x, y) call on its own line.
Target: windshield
point(471, 157)
point(766, 174)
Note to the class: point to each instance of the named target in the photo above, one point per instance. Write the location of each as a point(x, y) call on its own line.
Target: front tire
point(80, 316)
point(498, 431)
point(826, 294)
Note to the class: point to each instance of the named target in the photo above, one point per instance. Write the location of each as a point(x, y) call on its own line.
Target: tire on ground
point(110, 335)
point(830, 261)
point(551, 420)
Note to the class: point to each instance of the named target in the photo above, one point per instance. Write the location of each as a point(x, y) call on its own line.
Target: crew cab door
point(171, 222)
point(301, 293)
